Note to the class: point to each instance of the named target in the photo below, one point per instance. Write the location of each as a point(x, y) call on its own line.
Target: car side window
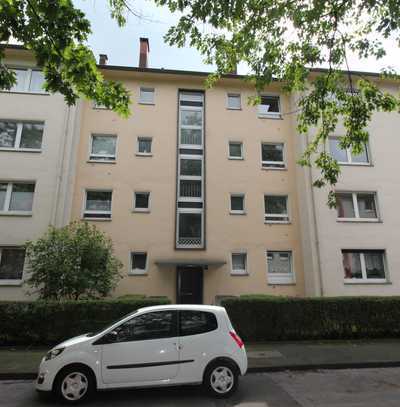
point(152, 325)
point(196, 322)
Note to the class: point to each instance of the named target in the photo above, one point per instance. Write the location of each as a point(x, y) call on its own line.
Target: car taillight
point(236, 338)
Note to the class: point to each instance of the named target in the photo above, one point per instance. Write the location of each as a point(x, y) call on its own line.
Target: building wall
point(154, 232)
point(50, 168)
point(333, 236)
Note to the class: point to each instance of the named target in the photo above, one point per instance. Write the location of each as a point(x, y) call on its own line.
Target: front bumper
point(45, 379)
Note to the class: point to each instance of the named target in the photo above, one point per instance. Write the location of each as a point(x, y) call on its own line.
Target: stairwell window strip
point(16, 198)
point(364, 266)
point(103, 147)
point(12, 261)
point(21, 136)
point(357, 206)
point(28, 80)
point(97, 204)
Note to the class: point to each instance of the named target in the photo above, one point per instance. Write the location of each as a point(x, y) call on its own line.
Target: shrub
point(267, 318)
point(42, 322)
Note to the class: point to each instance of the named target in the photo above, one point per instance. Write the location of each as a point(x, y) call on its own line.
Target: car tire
point(221, 379)
point(74, 384)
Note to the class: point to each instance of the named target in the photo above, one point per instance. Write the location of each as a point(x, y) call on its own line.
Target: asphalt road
point(333, 388)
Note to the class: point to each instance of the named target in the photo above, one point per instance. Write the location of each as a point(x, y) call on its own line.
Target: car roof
point(189, 307)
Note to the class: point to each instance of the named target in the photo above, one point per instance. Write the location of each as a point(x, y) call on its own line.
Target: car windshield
point(90, 334)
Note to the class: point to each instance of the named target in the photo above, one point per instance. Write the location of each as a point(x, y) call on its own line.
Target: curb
point(258, 369)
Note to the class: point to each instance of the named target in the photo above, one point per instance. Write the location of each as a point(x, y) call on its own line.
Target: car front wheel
point(221, 379)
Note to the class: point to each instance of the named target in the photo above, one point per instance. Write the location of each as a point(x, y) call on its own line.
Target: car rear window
point(196, 322)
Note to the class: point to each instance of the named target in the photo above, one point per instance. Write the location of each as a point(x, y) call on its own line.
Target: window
point(99, 106)
point(12, 260)
point(235, 150)
point(146, 96)
point(16, 197)
point(279, 267)
point(357, 205)
point(364, 265)
point(142, 201)
point(346, 156)
point(237, 204)
point(196, 322)
point(269, 106)
point(190, 229)
point(103, 147)
point(276, 210)
point(272, 155)
point(98, 205)
point(138, 263)
point(239, 263)
point(234, 101)
point(190, 167)
point(21, 135)
point(144, 145)
point(28, 80)
point(152, 325)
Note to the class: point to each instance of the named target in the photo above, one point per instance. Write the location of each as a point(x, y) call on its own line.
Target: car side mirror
point(111, 337)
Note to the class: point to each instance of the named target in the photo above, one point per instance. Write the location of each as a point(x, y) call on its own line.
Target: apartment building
point(37, 144)
point(198, 190)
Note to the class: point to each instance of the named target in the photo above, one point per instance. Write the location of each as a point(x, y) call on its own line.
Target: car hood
point(73, 341)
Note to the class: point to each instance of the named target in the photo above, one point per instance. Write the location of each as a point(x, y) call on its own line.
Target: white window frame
point(138, 139)
point(135, 208)
point(194, 211)
point(237, 212)
point(148, 90)
point(85, 211)
point(233, 95)
point(349, 155)
point(269, 115)
point(286, 215)
point(97, 106)
point(6, 209)
point(27, 81)
point(364, 279)
point(17, 142)
point(281, 278)
point(97, 158)
point(241, 272)
point(191, 127)
point(190, 177)
point(138, 272)
point(232, 157)
point(12, 281)
point(269, 165)
point(357, 217)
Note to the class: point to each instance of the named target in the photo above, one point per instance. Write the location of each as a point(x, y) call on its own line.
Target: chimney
point(144, 52)
point(103, 59)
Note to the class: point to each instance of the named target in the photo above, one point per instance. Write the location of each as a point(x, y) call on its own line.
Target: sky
point(122, 44)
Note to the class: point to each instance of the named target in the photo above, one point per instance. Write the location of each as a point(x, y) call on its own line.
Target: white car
point(153, 346)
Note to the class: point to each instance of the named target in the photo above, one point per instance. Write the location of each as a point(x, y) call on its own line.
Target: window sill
point(146, 103)
point(270, 116)
point(237, 212)
point(21, 150)
point(144, 154)
point(139, 210)
point(101, 161)
point(11, 283)
point(20, 92)
point(343, 164)
point(11, 213)
point(277, 222)
point(273, 168)
point(137, 273)
point(236, 158)
point(366, 282)
point(233, 108)
point(97, 219)
point(239, 274)
point(281, 282)
point(358, 220)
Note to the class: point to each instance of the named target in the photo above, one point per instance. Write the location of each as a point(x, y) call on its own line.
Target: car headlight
point(53, 353)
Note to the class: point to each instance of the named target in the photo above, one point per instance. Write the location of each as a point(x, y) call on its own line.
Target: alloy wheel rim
point(74, 386)
point(222, 379)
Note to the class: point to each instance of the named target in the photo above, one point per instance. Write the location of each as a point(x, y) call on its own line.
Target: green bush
point(43, 322)
point(265, 318)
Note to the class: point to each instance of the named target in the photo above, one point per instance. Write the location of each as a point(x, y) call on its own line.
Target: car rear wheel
point(221, 379)
point(74, 384)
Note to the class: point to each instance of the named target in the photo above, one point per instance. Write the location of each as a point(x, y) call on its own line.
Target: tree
point(278, 40)
point(72, 262)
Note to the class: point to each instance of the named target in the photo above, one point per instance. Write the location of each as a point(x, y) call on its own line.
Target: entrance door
point(189, 285)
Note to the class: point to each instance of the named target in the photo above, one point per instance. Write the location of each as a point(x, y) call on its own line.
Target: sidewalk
point(22, 363)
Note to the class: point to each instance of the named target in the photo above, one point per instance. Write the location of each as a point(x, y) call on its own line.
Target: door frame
point(180, 269)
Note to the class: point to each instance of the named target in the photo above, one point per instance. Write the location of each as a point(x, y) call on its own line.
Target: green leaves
point(72, 262)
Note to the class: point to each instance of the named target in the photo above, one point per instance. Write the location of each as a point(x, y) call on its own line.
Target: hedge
point(40, 322)
point(265, 318)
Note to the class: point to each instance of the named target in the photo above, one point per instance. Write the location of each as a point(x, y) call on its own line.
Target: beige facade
point(49, 166)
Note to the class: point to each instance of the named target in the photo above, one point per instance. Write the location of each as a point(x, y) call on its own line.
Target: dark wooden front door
point(189, 285)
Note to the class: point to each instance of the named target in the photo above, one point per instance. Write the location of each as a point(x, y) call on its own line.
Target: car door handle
point(178, 346)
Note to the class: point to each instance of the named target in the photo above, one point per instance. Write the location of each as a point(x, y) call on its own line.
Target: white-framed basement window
point(276, 208)
point(357, 206)
point(364, 266)
point(103, 147)
point(280, 267)
point(16, 198)
point(346, 156)
point(12, 261)
point(97, 204)
point(21, 135)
